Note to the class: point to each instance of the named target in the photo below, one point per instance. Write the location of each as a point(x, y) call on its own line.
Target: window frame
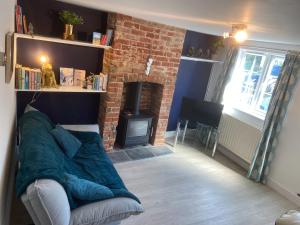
point(252, 113)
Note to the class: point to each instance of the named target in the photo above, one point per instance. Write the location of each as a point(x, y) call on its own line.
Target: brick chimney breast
point(134, 41)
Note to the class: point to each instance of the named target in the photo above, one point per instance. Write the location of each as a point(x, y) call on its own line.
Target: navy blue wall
point(192, 77)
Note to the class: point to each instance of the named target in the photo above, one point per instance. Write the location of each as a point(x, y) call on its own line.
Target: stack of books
point(28, 78)
point(100, 82)
point(21, 22)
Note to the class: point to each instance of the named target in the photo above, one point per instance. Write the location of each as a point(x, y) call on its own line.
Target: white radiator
point(238, 137)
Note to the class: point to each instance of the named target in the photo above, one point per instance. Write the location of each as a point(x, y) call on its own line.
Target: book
point(109, 34)
point(79, 77)
point(25, 28)
point(19, 18)
point(96, 38)
point(66, 76)
point(105, 80)
point(103, 39)
point(18, 76)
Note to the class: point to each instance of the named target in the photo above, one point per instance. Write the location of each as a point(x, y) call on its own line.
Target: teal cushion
point(86, 190)
point(67, 141)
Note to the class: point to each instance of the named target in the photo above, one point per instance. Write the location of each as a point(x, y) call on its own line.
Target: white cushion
point(47, 203)
point(82, 127)
point(105, 212)
point(30, 108)
point(292, 217)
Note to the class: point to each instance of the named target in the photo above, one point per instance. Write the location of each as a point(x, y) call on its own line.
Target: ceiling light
point(239, 33)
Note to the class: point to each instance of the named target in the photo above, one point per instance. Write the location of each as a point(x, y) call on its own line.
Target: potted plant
point(69, 19)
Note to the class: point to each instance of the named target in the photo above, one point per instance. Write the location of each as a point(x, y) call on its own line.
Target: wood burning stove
point(134, 127)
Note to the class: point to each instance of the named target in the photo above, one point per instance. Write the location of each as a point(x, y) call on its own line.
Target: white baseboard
point(229, 154)
point(170, 133)
point(283, 191)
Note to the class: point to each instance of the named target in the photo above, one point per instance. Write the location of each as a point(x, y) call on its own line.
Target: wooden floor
point(190, 188)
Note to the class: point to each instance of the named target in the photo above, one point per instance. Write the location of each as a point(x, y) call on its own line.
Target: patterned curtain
point(273, 122)
point(225, 75)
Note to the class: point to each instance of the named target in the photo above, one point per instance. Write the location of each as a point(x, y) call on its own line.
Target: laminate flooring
point(190, 188)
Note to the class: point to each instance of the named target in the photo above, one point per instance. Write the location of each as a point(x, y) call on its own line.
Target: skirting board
point(283, 191)
point(170, 133)
point(233, 157)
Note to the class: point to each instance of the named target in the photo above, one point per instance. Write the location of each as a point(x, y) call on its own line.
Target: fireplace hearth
point(135, 126)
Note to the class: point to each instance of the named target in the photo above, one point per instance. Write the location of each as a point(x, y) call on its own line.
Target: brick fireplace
point(134, 41)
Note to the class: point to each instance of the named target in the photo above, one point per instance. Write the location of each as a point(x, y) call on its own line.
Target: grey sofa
point(47, 204)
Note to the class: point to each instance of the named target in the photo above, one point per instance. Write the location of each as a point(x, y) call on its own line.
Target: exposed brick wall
point(134, 40)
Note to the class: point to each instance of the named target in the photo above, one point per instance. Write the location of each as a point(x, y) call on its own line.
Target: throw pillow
point(67, 141)
point(87, 190)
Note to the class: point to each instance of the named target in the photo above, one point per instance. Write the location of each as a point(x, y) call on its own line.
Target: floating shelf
point(58, 40)
point(73, 89)
point(200, 59)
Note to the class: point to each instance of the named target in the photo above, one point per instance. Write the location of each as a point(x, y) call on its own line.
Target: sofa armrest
point(47, 203)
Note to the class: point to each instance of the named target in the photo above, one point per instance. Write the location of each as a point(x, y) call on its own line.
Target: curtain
point(275, 115)
point(225, 74)
point(219, 78)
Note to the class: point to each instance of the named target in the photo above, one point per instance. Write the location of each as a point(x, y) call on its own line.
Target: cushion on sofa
point(87, 190)
point(68, 142)
point(105, 212)
point(47, 203)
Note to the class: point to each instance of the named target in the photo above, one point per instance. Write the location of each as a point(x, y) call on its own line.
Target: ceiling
point(267, 20)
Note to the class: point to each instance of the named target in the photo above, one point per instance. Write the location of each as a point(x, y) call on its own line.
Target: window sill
point(247, 118)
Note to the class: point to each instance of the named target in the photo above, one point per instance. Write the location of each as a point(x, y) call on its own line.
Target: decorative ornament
point(149, 64)
point(48, 76)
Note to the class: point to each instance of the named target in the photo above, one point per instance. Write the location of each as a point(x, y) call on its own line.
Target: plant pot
point(68, 34)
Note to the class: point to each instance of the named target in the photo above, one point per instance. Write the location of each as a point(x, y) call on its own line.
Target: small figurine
point(148, 65)
point(199, 53)
point(30, 29)
point(48, 76)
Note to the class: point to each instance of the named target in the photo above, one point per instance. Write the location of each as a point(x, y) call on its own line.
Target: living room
point(164, 112)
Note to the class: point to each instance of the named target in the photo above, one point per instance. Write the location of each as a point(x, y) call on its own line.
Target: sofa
point(41, 181)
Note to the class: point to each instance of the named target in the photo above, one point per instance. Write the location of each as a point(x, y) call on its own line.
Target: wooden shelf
point(72, 89)
point(58, 40)
point(199, 59)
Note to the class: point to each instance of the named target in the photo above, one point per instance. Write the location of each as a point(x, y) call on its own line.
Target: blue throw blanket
point(42, 158)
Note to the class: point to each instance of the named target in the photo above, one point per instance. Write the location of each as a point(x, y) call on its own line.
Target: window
point(253, 80)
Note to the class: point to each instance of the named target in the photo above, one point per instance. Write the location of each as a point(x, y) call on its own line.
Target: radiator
point(238, 137)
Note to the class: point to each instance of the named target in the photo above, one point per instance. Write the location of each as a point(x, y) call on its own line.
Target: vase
point(68, 34)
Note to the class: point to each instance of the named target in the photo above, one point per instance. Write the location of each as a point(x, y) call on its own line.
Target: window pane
point(252, 67)
point(269, 83)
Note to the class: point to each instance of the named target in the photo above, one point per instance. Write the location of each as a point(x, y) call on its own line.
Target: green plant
point(218, 43)
point(68, 17)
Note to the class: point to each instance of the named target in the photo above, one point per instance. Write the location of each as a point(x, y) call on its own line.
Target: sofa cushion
point(105, 212)
point(292, 217)
point(87, 190)
point(47, 203)
point(68, 142)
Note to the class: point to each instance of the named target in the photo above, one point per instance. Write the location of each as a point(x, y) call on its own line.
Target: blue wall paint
point(192, 77)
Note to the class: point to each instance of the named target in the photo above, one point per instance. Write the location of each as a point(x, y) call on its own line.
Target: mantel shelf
point(72, 89)
point(200, 59)
point(58, 40)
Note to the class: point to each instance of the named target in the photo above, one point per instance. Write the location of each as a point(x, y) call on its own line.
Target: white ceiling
point(267, 20)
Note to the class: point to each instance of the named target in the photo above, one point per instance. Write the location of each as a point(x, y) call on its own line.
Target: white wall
point(285, 168)
point(7, 113)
